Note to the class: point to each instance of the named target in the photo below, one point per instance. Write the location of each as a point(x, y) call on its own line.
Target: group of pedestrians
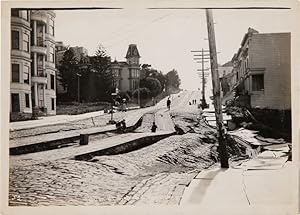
point(121, 103)
point(122, 125)
point(193, 102)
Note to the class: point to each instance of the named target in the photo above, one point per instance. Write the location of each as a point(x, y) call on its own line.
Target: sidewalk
point(33, 143)
point(131, 120)
point(57, 119)
point(51, 120)
point(263, 182)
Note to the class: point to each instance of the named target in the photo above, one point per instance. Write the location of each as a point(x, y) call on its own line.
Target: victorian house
point(127, 73)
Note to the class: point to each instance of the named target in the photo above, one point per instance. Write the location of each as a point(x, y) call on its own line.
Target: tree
point(172, 81)
point(144, 93)
point(95, 75)
point(152, 84)
point(147, 71)
point(159, 76)
point(67, 73)
point(123, 95)
point(100, 78)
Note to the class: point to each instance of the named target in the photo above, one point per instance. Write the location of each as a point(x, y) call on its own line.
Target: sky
point(165, 38)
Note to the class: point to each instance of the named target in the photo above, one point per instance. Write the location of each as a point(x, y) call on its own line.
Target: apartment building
point(127, 73)
point(33, 70)
point(263, 70)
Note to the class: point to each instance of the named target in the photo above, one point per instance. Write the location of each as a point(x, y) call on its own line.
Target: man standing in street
point(169, 103)
point(154, 127)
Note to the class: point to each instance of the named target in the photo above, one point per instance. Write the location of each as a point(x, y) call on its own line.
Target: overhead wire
point(134, 30)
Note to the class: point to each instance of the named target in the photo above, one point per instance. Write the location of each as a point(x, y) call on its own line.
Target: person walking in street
point(169, 103)
point(154, 127)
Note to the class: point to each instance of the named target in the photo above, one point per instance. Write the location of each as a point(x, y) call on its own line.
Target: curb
point(59, 123)
point(123, 147)
point(52, 144)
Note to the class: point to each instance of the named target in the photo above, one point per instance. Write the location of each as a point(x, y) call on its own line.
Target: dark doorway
point(15, 102)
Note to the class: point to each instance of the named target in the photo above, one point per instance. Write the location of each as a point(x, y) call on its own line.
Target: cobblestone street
point(151, 175)
point(156, 174)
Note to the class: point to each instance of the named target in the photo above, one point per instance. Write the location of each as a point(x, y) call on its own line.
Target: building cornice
point(20, 55)
point(19, 22)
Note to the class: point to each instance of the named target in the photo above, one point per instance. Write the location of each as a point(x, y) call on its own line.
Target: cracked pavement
point(156, 174)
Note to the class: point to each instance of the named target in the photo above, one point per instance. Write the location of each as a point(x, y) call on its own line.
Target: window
point(52, 104)
point(26, 42)
point(15, 12)
point(135, 74)
point(40, 68)
point(15, 102)
point(116, 73)
point(16, 73)
point(27, 104)
point(41, 96)
point(32, 65)
point(258, 82)
point(51, 55)
point(52, 81)
point(51, 27)
point(15, 40)
point(26, 74)
point(24, 14)
point(20, 13)
point(135, 84)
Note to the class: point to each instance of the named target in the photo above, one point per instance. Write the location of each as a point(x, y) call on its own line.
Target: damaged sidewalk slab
point(265, 181)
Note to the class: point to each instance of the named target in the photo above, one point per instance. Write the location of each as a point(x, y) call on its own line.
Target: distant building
point(263, 70)
point(225, 69)
point(32, 63)
point(126, 73)
point(226, 77)
point(79, 52)
point(60, 49)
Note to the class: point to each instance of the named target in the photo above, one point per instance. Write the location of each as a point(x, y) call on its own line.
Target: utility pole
point(203, 56)
point(78, 86)
point(139, 93)
point(216, 89)
point(203, 82)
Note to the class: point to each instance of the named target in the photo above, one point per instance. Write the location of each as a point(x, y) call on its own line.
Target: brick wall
point(272, 52)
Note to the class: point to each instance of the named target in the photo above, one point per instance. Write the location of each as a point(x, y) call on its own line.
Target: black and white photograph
point(154, 104)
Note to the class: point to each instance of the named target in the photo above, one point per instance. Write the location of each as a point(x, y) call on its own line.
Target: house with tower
point(127, 73)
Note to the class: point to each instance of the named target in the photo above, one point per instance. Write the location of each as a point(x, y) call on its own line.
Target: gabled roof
point(132, 51)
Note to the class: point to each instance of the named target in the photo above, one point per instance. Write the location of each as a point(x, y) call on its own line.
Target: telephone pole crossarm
point(199, 50)
point(200, 55)
point(199, 58)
